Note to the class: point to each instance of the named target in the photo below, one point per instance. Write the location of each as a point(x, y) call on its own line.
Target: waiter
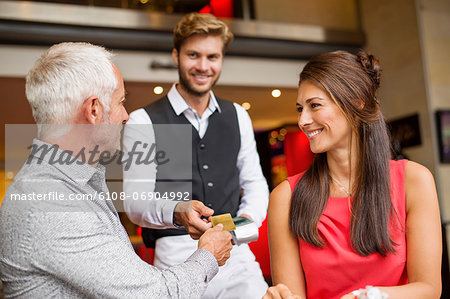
point(226, 173)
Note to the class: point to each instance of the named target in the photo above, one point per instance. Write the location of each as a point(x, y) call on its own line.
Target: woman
point(354, 218)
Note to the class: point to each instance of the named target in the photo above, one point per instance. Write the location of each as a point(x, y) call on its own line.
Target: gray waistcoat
point(215, 177)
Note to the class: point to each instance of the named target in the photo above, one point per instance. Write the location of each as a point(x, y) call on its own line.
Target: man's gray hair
point(64, 77)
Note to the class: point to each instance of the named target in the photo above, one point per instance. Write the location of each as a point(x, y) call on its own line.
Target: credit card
point(225, 219)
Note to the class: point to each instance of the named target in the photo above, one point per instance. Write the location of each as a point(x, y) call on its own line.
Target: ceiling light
point(158, 90)
point(276, 93)
point(246, 105)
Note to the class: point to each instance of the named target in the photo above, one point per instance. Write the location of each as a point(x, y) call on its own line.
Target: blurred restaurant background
point(273, 41)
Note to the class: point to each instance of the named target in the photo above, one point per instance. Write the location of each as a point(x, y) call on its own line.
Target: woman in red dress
point(355, 218)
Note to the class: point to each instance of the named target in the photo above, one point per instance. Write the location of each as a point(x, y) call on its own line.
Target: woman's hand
point(280, 291)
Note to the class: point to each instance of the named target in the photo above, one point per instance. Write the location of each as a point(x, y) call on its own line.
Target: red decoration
point(260, 249)
point(297, 151)
point(219, 8)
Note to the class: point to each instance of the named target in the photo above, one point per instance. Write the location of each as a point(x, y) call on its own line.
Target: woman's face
point(321, 120)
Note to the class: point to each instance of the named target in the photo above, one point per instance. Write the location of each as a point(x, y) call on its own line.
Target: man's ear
point(92, 110)
point(175, 56)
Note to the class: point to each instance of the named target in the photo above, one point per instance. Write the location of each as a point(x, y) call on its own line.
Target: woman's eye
point(314, 105)
point(299, 109)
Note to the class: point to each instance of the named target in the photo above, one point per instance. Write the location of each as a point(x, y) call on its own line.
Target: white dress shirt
point(141, 178)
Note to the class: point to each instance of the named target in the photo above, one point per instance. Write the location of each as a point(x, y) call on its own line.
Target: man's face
point(199, 63)
point(117, 116)
point(117, 112)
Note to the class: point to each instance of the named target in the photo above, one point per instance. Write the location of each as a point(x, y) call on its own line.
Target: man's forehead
point(197, 42)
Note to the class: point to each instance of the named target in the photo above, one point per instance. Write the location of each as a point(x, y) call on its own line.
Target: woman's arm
point(284, 251)
point(423, 237)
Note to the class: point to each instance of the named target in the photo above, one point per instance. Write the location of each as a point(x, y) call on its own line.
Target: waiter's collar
point(179, 104)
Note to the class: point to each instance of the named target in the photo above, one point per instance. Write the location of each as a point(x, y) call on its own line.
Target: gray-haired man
point(59, 237)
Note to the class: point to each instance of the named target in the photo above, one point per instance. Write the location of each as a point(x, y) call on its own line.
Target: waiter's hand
point(246, 216)
point(189, 213)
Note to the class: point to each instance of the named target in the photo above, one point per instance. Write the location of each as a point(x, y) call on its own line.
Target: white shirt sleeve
point(255, 192)
point(139, 178)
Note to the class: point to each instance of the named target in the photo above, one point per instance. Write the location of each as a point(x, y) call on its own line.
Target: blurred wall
point(342, 14)
point(434, 23)
point(411, 39)
point(392, 34)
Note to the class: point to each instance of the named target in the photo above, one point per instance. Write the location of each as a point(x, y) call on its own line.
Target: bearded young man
point(224, 161)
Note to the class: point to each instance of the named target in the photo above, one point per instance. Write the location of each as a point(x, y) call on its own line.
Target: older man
point(75, 246)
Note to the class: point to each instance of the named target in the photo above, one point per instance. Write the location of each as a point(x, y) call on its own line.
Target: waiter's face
point(199, 63)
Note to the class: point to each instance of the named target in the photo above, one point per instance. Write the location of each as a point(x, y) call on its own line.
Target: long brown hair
point(351, 81)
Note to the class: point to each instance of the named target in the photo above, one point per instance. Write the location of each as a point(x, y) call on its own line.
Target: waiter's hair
point(202, 24)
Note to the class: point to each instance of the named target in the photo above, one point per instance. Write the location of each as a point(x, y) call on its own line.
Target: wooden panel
point(266, 112)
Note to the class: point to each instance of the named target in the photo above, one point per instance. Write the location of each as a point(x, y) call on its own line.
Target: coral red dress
point(336, 269)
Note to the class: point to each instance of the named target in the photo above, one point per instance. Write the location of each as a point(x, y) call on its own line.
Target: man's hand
point(280, 291)
point(218, 242)
point(189, 213)
point(246, 216)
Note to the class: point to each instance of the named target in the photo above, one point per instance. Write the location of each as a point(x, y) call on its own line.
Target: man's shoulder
point(161, 106)
point(34, 175)
point(36, 190)
point(159, 103)
point(139, 116)
point(225, 101)
point(43, 187)
point(46, 205)
point(231, 105)
point(227, 105)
